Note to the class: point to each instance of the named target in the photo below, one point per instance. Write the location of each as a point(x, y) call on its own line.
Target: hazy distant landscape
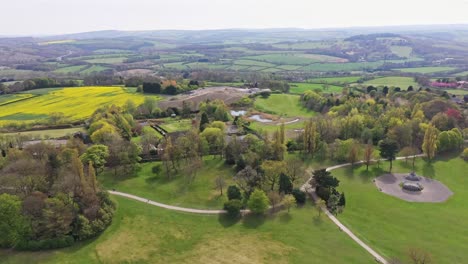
point(279, 145)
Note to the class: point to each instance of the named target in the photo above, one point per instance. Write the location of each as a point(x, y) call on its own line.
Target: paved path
point(170, 207)
point(306, 187)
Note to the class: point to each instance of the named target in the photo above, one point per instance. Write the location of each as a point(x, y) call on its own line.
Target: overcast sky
point(39, 17)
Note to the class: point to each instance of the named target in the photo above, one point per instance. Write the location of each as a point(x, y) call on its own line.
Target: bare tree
point(220, 184)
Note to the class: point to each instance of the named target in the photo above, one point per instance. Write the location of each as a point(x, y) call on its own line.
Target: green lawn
point(286, 105)
point(49, 133)
point(392, 226)
point(395, 81)
point(300, 88)
point(457, 91)
point(344, 80)
point(94, 68)
point(349, 66)
point(402, 51)
point(201, 193)
point(426, 69)
point(141, 233)
point(70, 69)
point(174, 125)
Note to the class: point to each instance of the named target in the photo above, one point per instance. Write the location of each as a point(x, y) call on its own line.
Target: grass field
point(174, 125)
point(10, 98)
point(402, 51)
point(300, 88)
point(294, 58)
point(108, 60)
point(462, 74)
point(457, 91)
point(392, 226)
point(344, 80)
point(141, 233)
point(49, 133)
point(75, 103)
point(426, 69)
point(94, 68)
point(395, 81)
point(350, 66)
point(286, 105)
point(201, 193)
point(70, 69)
point(253, 63)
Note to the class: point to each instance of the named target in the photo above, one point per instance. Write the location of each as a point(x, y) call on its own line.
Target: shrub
point(156, 169)
point(465, 154)
point(299, 195)
point(258, 202)
point(233, 208)
point(233, 192)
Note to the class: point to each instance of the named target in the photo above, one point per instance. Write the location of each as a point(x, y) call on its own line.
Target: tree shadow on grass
point(285, 217)
point(317, 219)
point(428, 170)
point(366, 176)
point(349, 171)
point(253, 220)
point(227, 221)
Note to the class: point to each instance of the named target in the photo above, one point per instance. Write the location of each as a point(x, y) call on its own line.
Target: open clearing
point(426, 69)
point(334, 80)
point(300, 88)
point(142, 233)
point(457, 91)
point(201, 193)
point(395, 81)
point(227, 94)
point(285, 105)
point(49, 133)
point(75, 103)
point(393, 226)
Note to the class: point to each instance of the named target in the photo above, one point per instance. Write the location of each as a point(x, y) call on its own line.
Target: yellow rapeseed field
point(75, 103)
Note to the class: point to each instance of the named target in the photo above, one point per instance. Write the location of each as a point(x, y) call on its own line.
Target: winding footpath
point(305, 187)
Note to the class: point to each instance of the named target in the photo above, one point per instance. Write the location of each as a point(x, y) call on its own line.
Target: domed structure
point(412, 177)
point(412, 186)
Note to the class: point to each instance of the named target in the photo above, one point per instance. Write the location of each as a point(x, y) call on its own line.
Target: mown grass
point(402, 51)
point(49, 133)
point(178, 189)
point(290, 58)
point(286, 105)
point(74, 103)
point(141, 233)
point(426, 69)
point(395, 81)
point(341, 80)
point(175, 125)
point(10, 98)
point(457, 91)
point(300, 88)
point(392, 226)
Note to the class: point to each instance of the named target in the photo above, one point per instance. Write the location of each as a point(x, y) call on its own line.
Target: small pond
point(238, 113)
point(260, 119)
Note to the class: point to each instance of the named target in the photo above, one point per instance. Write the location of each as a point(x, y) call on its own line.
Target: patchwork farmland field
point(402, 82)
point(75, 103)
point(300, 88)
point(426, 69)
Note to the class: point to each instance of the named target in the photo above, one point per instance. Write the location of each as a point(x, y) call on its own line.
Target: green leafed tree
point(258, 202)
point(388, 150)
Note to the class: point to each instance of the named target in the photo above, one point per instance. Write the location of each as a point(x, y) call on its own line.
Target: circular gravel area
point(433, 192)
